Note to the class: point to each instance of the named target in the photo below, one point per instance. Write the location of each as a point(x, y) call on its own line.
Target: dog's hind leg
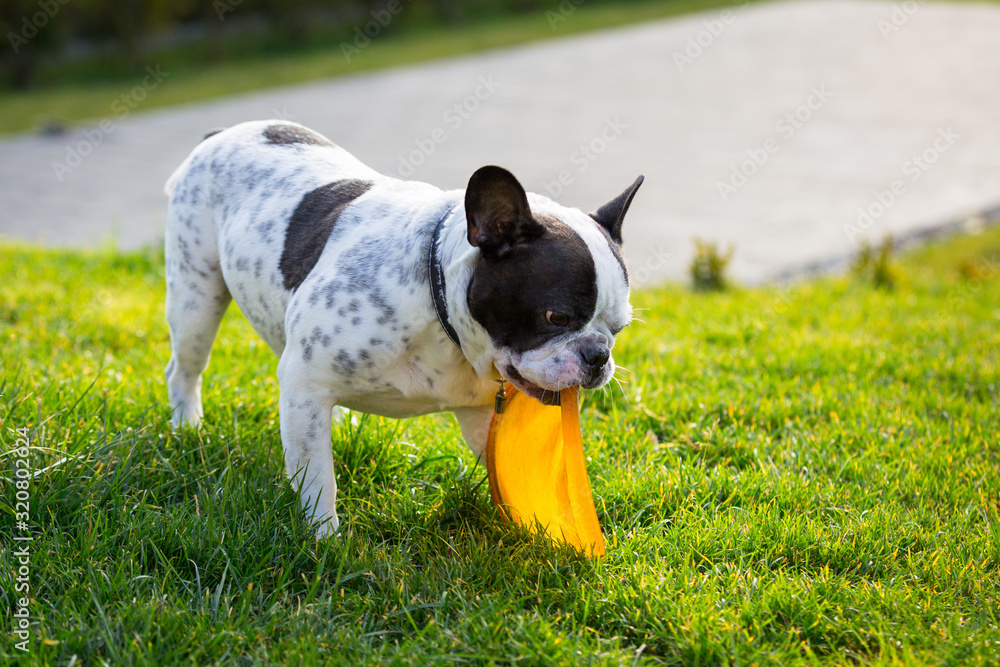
point(197, 298)
point(305, 408)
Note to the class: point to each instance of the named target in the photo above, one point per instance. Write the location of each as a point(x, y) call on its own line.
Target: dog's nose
point(595, 355)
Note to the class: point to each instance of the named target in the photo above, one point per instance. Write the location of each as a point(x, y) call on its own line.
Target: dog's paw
point(180, 426)
point(182, 416)
point(327, 528)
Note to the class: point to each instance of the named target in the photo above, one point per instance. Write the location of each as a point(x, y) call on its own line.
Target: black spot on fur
point(290, 134)
point(510, 294)
point(310, 226)
point(212, 133)
point(378, 300)
point(344, 364)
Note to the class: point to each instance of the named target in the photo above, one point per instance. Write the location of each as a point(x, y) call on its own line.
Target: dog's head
point(550, 288)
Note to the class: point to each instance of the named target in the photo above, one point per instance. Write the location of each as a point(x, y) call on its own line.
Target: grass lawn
point(802, 475)
point(90, 93)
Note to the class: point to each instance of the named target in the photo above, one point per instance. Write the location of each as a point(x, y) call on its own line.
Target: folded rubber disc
point(537, 471)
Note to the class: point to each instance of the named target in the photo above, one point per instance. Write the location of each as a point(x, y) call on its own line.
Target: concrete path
point(791, 129)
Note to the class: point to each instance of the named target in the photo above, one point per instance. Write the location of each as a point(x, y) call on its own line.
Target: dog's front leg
point(304, 408)
point(475, 425)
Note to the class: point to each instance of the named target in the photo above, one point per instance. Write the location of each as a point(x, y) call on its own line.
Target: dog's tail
point(171, 183)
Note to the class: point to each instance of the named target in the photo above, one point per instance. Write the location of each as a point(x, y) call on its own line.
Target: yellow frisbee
point(537, 471)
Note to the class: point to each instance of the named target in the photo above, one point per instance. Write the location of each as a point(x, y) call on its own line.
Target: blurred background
point(790, 132)
point(83, 41)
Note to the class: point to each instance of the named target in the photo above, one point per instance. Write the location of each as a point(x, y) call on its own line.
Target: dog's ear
point(610, 215)
point(497, 212)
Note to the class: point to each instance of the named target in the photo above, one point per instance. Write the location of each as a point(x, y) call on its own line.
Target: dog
point(381, 295)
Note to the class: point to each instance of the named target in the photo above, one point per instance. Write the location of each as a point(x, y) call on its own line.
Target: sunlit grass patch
point(806, 474)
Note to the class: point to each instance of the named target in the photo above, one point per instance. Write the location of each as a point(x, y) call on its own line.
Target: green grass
point(190, 79)
point(802, 475)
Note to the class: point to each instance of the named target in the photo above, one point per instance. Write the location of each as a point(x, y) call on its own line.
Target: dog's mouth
point(545, 396)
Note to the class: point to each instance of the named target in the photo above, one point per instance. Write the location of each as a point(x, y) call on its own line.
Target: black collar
point(436, 273)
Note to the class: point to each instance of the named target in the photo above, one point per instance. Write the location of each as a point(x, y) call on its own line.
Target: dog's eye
point(556, 319)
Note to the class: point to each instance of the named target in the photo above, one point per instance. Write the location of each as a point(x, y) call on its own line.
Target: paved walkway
point(787, 128)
